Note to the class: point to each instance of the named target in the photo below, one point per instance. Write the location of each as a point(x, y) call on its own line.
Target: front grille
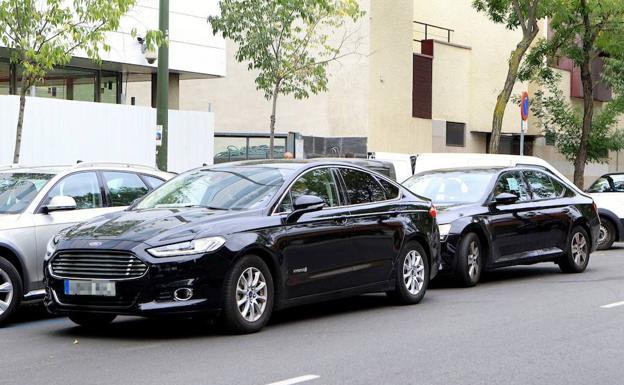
point(98, 266)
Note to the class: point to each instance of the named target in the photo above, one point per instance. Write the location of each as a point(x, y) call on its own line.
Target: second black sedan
point(238, 241)
point(500, 217)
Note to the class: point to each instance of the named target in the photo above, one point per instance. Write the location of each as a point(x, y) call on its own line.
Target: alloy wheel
point(603, 235)
point(579, 249)
point(473, 260)
point(251, 294)
point(413, 272)
point(6, 291)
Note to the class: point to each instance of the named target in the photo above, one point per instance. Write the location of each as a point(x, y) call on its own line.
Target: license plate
point(97, 288)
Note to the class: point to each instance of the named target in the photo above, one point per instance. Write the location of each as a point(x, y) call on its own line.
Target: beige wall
point(239, 107)
point(392, 127)
point(467, 81)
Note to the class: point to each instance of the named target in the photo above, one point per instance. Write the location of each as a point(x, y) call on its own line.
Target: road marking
point(612, 305)
point(296, 380)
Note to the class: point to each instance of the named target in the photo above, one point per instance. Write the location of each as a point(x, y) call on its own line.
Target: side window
point(362, 187)
point(83, 187)
point(392, 192)
point(512, 183)
point(560, 189)
point(319, 182)
point(123, 187)
point(152, 181)
point(599, 186)
point(541, 185)
point(618, 183)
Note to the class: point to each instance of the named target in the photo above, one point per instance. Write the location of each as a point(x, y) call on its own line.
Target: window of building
point(235, 147)
point(455, 134)
point(5, 78)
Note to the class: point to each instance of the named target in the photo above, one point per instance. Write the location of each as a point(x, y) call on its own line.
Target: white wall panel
point(62, 132)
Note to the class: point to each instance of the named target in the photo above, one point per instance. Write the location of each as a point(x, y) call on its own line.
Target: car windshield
point(452, 187)
point(223, 188)
point(17, 190)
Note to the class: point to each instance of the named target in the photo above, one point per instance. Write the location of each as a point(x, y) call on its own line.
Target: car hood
point(154, 226)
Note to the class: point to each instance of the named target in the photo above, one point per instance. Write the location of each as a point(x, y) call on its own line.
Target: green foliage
point(289, 42)
point(582, 31)
point(42, 34)
point(562, 121)
point(514, 13)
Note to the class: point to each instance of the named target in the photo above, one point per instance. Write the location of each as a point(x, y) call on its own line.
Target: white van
point(407, 165)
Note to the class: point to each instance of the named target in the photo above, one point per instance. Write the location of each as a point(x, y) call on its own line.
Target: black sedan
point(499, 217)
point(241, 240)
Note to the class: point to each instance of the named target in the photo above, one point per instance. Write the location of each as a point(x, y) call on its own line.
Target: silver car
point(38, 202)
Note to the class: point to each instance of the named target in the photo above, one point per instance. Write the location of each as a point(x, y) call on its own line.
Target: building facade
point(422, 77)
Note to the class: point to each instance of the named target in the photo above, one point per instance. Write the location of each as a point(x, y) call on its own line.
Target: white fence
point(62, 132)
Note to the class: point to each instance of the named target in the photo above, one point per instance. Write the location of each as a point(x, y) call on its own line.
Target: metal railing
point(435, 27)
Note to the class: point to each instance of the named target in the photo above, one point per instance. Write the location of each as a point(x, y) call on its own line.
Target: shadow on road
point(30, 312)
point(178, 328)
point(506, 274)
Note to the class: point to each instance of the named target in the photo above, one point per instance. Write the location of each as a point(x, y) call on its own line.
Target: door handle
point(530, 214)
point(341, 221)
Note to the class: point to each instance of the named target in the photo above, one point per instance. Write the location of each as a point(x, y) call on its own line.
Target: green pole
point(162, 86)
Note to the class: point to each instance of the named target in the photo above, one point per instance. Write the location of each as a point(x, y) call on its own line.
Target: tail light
point(433, 212)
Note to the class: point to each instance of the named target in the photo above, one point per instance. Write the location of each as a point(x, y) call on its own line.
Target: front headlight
point(52, 243)
point(444, 230)
point(196, 246)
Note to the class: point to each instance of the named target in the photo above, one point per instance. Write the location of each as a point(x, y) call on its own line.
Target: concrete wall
point(467, 79)
point(239, 107)
point(62, 132)
point(392, 127)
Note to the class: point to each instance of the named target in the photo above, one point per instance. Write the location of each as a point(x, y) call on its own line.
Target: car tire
point(247, 290)
point(11, 290)
point(469, 260)
point(607, 234)
point(92, 321)
point(576, 257)
point(412, 275)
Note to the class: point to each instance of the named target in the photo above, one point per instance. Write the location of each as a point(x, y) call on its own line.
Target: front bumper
point(152, 293)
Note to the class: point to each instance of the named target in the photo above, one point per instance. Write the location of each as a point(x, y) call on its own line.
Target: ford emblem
point(95, 244)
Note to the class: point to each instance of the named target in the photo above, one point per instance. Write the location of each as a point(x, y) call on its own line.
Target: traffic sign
point(524, 106)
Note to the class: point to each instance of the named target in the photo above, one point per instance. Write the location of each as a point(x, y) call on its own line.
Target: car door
point(85, 188)
point(510, 225)
point(377, 231)
point(317, 248)
point(552, 212)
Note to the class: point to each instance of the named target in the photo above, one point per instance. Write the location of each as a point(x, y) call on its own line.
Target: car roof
point(57, 169)
point(294, 164)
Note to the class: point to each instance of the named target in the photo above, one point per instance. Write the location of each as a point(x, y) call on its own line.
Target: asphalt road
point(522, 325)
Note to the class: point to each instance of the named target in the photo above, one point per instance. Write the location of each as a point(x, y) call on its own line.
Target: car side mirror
point(60, 203)
point(304, 204)
point(505, 199)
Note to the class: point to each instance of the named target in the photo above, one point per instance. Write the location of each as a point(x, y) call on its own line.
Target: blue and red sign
point(524, 106)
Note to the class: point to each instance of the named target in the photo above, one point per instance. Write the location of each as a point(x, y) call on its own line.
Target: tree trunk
point(20, 121)
point(273, 119)
point(588, 99)
point(505, 94)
